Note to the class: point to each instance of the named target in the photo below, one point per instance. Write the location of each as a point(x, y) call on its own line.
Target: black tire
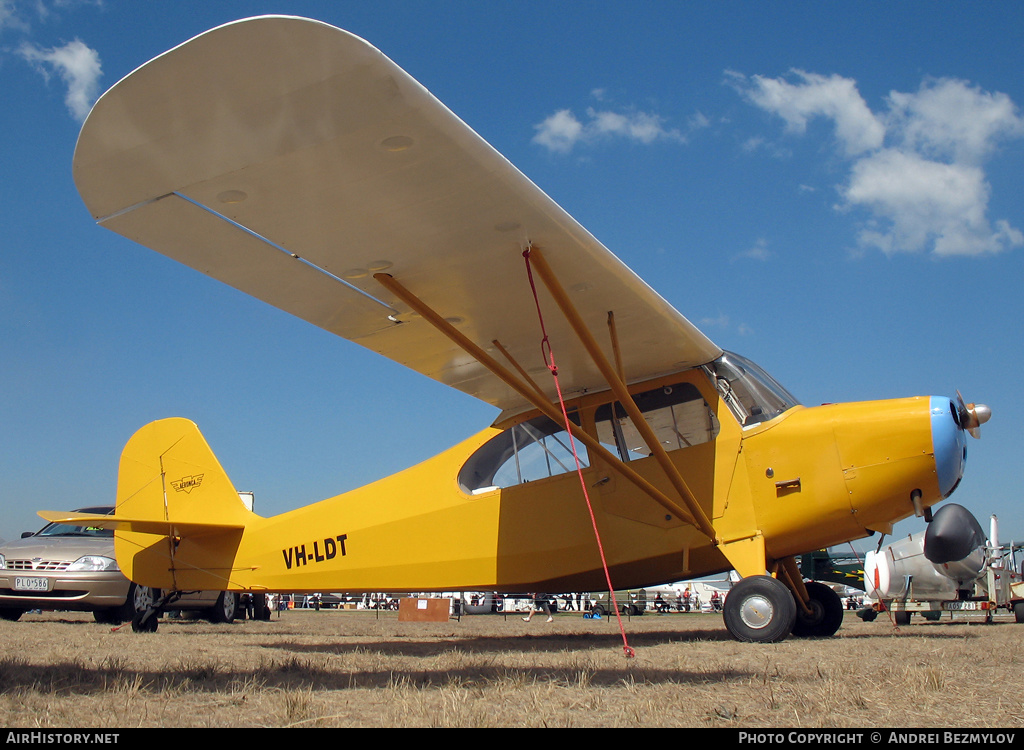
point(759, 609)
point(867, 614)
point(1018, 613)
point(108, 616)
point(142, 599)
point(826, 613)
point(901, 618)
point(118, 615)
point(145, 622)
point(226, 608)
point(259, 607)
point(13, 615)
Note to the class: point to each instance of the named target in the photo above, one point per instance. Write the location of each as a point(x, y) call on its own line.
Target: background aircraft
point(951, 566)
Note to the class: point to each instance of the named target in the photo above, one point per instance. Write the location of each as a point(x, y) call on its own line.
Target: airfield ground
point(361, 669)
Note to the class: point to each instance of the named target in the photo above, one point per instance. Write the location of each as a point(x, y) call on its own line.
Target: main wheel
point(759, 609)
point(1018, 612)
point(826, 613)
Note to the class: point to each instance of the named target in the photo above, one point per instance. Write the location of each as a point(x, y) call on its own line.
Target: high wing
point(293, 161)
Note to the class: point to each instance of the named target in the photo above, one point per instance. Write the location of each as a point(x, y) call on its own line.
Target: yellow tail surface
point(182, 517)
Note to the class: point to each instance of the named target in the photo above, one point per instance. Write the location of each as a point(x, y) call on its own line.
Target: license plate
point(31, 584)
point(949, 606)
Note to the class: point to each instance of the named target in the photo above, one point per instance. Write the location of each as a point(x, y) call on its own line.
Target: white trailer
point(902, 579)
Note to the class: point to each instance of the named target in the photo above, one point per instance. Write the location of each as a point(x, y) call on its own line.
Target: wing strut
point(532, 394)
point(619, 388)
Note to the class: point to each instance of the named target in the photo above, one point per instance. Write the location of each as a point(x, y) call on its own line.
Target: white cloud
point(949, 119)
point(559, 132)
point(9, 16)
point(835, 98)
point(562, 131)
point(917, 169)
point(758, 251)
point(77, 65)
point(924, 202)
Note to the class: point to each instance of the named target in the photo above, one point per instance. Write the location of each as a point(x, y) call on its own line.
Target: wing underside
point(293, 161)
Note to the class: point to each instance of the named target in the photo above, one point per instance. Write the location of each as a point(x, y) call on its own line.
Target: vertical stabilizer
point(168, 473)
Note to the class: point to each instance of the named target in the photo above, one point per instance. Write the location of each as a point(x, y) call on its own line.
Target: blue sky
point(830, 189)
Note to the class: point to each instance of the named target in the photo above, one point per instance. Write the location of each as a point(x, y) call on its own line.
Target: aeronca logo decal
point(314, 552)
point(187, 484)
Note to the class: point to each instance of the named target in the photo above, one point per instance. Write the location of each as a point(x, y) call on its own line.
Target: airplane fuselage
point(505, 510)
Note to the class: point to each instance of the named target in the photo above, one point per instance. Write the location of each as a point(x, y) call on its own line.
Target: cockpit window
point(529, 451)
point(677, 413)
point(540, 448)
point(753, 395)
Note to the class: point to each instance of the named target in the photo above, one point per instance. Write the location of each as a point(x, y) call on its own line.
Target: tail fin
point(180, 517)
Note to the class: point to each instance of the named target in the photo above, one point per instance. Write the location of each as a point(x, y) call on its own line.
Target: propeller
point(972, 416)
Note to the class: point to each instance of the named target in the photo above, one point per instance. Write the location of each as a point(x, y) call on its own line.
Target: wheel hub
point(756, 612)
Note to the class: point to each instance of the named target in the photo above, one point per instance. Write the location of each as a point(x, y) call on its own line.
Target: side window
point(678, 415)
point(529, 451)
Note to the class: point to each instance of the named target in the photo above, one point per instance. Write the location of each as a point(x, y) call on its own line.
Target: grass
point(358, 669)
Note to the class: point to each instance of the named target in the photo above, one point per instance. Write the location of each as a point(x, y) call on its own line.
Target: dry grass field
point(358, 669)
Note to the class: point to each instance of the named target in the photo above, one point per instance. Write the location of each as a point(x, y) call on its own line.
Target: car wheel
point(11, 615)
point(109, 615)
point(225, 609)
point(118, 615)
point(142, 598)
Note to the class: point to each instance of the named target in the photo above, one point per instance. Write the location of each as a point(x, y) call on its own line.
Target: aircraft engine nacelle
point(950, 555)
point(890, 571)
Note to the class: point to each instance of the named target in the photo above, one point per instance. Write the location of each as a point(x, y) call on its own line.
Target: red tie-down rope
point(549, 361)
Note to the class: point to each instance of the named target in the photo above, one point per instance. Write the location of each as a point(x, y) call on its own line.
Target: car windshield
point(66, 529)
point(753, 395)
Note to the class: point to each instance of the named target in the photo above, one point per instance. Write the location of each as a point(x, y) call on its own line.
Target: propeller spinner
point(972, 416)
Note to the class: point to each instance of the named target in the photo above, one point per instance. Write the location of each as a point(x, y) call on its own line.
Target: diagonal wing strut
point(692, 513)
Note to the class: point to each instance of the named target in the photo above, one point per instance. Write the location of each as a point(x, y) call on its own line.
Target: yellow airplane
point(294, 161)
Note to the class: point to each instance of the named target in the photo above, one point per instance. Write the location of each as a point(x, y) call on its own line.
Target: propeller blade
point(972, 416)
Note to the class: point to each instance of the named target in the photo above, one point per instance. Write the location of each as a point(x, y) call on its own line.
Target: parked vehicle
point(632, 602)
point(64, 567)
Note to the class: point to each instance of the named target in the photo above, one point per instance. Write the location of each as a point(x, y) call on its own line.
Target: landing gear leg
point(148, 605)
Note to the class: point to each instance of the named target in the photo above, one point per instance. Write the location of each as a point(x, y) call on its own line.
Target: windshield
point(753, 395)
point(65, 529)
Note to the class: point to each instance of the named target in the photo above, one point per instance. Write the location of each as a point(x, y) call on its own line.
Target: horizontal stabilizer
point(138, 525)
point(178, 519)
